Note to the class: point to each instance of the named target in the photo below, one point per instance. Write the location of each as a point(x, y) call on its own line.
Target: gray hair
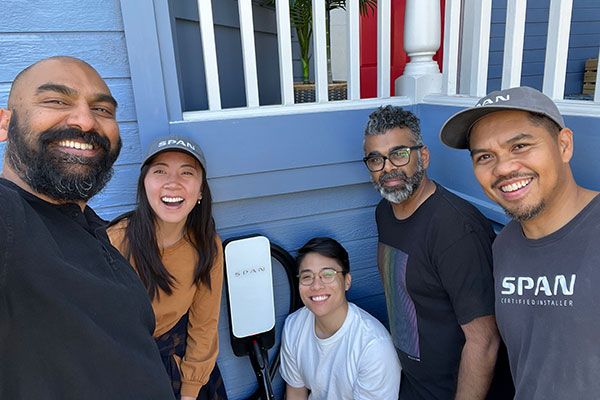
point(389, 117)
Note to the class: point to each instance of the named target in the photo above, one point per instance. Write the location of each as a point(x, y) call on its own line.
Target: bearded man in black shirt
point(75, 321)
point(435, 261)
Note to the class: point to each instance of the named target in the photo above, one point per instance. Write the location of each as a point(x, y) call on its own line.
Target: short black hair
point(545, 122)
point(389, 117)
point(327, 247)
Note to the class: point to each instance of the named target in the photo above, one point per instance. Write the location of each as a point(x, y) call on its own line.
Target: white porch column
point(422, 29)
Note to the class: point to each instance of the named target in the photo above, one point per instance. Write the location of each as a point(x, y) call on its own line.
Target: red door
point(368, 49)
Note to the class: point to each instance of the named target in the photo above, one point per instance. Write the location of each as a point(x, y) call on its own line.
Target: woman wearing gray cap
point(171, 241)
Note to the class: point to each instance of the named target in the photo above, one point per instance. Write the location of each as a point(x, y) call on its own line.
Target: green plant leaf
point(301, 21)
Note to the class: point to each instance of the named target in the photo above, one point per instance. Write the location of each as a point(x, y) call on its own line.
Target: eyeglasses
point(326, 275)
point(398, 157)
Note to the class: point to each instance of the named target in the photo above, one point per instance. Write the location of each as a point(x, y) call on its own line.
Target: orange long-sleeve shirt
point(202, 344)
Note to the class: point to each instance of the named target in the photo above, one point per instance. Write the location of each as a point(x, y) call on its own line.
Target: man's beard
point(400, 193)
point(522, 213)
point(525, 213)
point(56, 174)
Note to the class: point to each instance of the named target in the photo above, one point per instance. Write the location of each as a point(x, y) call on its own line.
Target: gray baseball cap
point(455, 132)
point(175, 143)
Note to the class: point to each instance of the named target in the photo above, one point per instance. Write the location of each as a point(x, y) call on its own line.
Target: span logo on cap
point(487, 102)
point(172, 142)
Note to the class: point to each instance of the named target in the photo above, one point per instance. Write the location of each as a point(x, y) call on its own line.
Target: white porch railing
point(513, 43)
point(476, 27)
point(472, 63)
point(466, 54)
point(210, 54)
point(285, 61)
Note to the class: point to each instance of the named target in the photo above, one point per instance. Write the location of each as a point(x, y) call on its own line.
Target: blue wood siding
point(583, 43)
point(287, 177)
point(291, 178)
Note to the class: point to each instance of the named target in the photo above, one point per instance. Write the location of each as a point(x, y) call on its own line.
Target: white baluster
point(422, 29)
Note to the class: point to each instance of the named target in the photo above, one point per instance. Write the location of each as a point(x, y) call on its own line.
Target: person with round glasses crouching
point(331, 348)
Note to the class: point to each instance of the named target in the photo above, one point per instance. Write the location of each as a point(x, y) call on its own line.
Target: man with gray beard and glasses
point(75, 320)
point(435, 261)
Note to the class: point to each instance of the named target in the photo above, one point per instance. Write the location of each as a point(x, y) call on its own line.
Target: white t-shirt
point(358, 362)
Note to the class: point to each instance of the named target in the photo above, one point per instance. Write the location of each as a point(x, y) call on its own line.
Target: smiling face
point(62, 134)
point(173, 185)
point(519, 164)
point(396, 184)
point(324, 300)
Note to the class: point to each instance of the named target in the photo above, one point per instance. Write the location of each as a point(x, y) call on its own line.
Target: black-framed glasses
point(398, 156)
point(326, 275)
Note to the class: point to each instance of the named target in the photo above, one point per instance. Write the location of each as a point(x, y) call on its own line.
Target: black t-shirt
point(75, 320)
point(436, 268)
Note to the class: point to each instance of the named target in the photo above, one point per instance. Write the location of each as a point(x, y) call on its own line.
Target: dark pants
point(173, 342)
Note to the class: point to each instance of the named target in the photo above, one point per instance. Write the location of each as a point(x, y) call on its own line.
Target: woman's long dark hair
point(141, 244)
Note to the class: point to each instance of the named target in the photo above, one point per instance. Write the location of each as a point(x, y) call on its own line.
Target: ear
point(4, 122)
point(565, 144)
point(425, 156)
point(347, 281)
point(200, 191)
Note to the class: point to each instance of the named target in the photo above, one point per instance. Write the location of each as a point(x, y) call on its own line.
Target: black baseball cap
point(175, 143)
point(455, 132)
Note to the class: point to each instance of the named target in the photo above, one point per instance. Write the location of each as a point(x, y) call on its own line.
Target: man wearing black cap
point(75, 321)
point(546, 261)
point(434, 257)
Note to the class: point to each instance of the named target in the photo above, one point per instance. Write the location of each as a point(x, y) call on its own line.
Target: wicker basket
point(305, 92)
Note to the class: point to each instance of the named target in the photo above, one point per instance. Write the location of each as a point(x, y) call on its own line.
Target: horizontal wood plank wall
point(288, 177)
point(344, 213)
point(583, 44)
point(291, 178)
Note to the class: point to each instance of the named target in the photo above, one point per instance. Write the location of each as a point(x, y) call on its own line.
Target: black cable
point(289, 265)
